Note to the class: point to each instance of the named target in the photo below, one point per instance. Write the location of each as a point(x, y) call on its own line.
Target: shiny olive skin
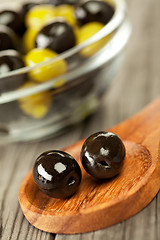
point(57, 36)
point(12, 18)
point(11, 60)
point(93, 11)
point(8, 39)
point(41, 74)
point(57, 174)
point(103, 154)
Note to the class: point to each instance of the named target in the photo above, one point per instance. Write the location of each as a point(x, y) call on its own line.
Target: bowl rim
point(115, 22)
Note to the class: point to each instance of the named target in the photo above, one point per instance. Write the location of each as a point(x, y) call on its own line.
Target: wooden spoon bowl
point(99, 204)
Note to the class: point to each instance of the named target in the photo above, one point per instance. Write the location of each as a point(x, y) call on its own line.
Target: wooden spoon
point(97, 205)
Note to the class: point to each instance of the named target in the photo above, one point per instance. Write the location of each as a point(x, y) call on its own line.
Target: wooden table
point(137, 83)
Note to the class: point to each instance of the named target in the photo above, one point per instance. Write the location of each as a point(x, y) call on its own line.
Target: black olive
point(102, 155)
point(93, 11)
point(8, 38)
point(57, 36)
point(57, 174)
point(12, 18)
point(11, 60)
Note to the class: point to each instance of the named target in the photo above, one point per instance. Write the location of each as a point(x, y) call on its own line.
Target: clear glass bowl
point(40, 110)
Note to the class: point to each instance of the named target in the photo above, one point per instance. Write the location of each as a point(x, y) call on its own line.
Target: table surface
point(136, 84)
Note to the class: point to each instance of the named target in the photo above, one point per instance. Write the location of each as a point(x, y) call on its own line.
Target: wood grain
point(136, 84)
point(100, 204)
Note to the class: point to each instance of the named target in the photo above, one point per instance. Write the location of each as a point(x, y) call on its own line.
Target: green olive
point(38, 15)
point(36, 105)
point(86, 32)
point(49, 71)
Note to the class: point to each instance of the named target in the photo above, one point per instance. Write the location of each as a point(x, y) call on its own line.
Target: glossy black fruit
point(93, 11)
point(102, 155)
point(12, 18)
point(57, 174)
point(57, 36)
point(10, 60)
point(8, 39)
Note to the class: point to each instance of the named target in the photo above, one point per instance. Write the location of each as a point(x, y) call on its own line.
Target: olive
point(8, 38)
point(28, 39)
point(67, 12)
point(38, 15)
point(11, 60)
point(103, 154)
point(37, 105)
point(57, 36)
point(12, 18)
point(87, 31)
point(48, 71)
point(93, 11)
point(26, 7)
point(57, 174)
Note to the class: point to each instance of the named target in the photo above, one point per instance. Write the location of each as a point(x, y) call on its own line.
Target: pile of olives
point(34, 31)
point(58, 174)
point(32, 27)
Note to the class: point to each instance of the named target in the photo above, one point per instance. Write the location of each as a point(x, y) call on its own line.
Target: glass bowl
point(38, 111)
